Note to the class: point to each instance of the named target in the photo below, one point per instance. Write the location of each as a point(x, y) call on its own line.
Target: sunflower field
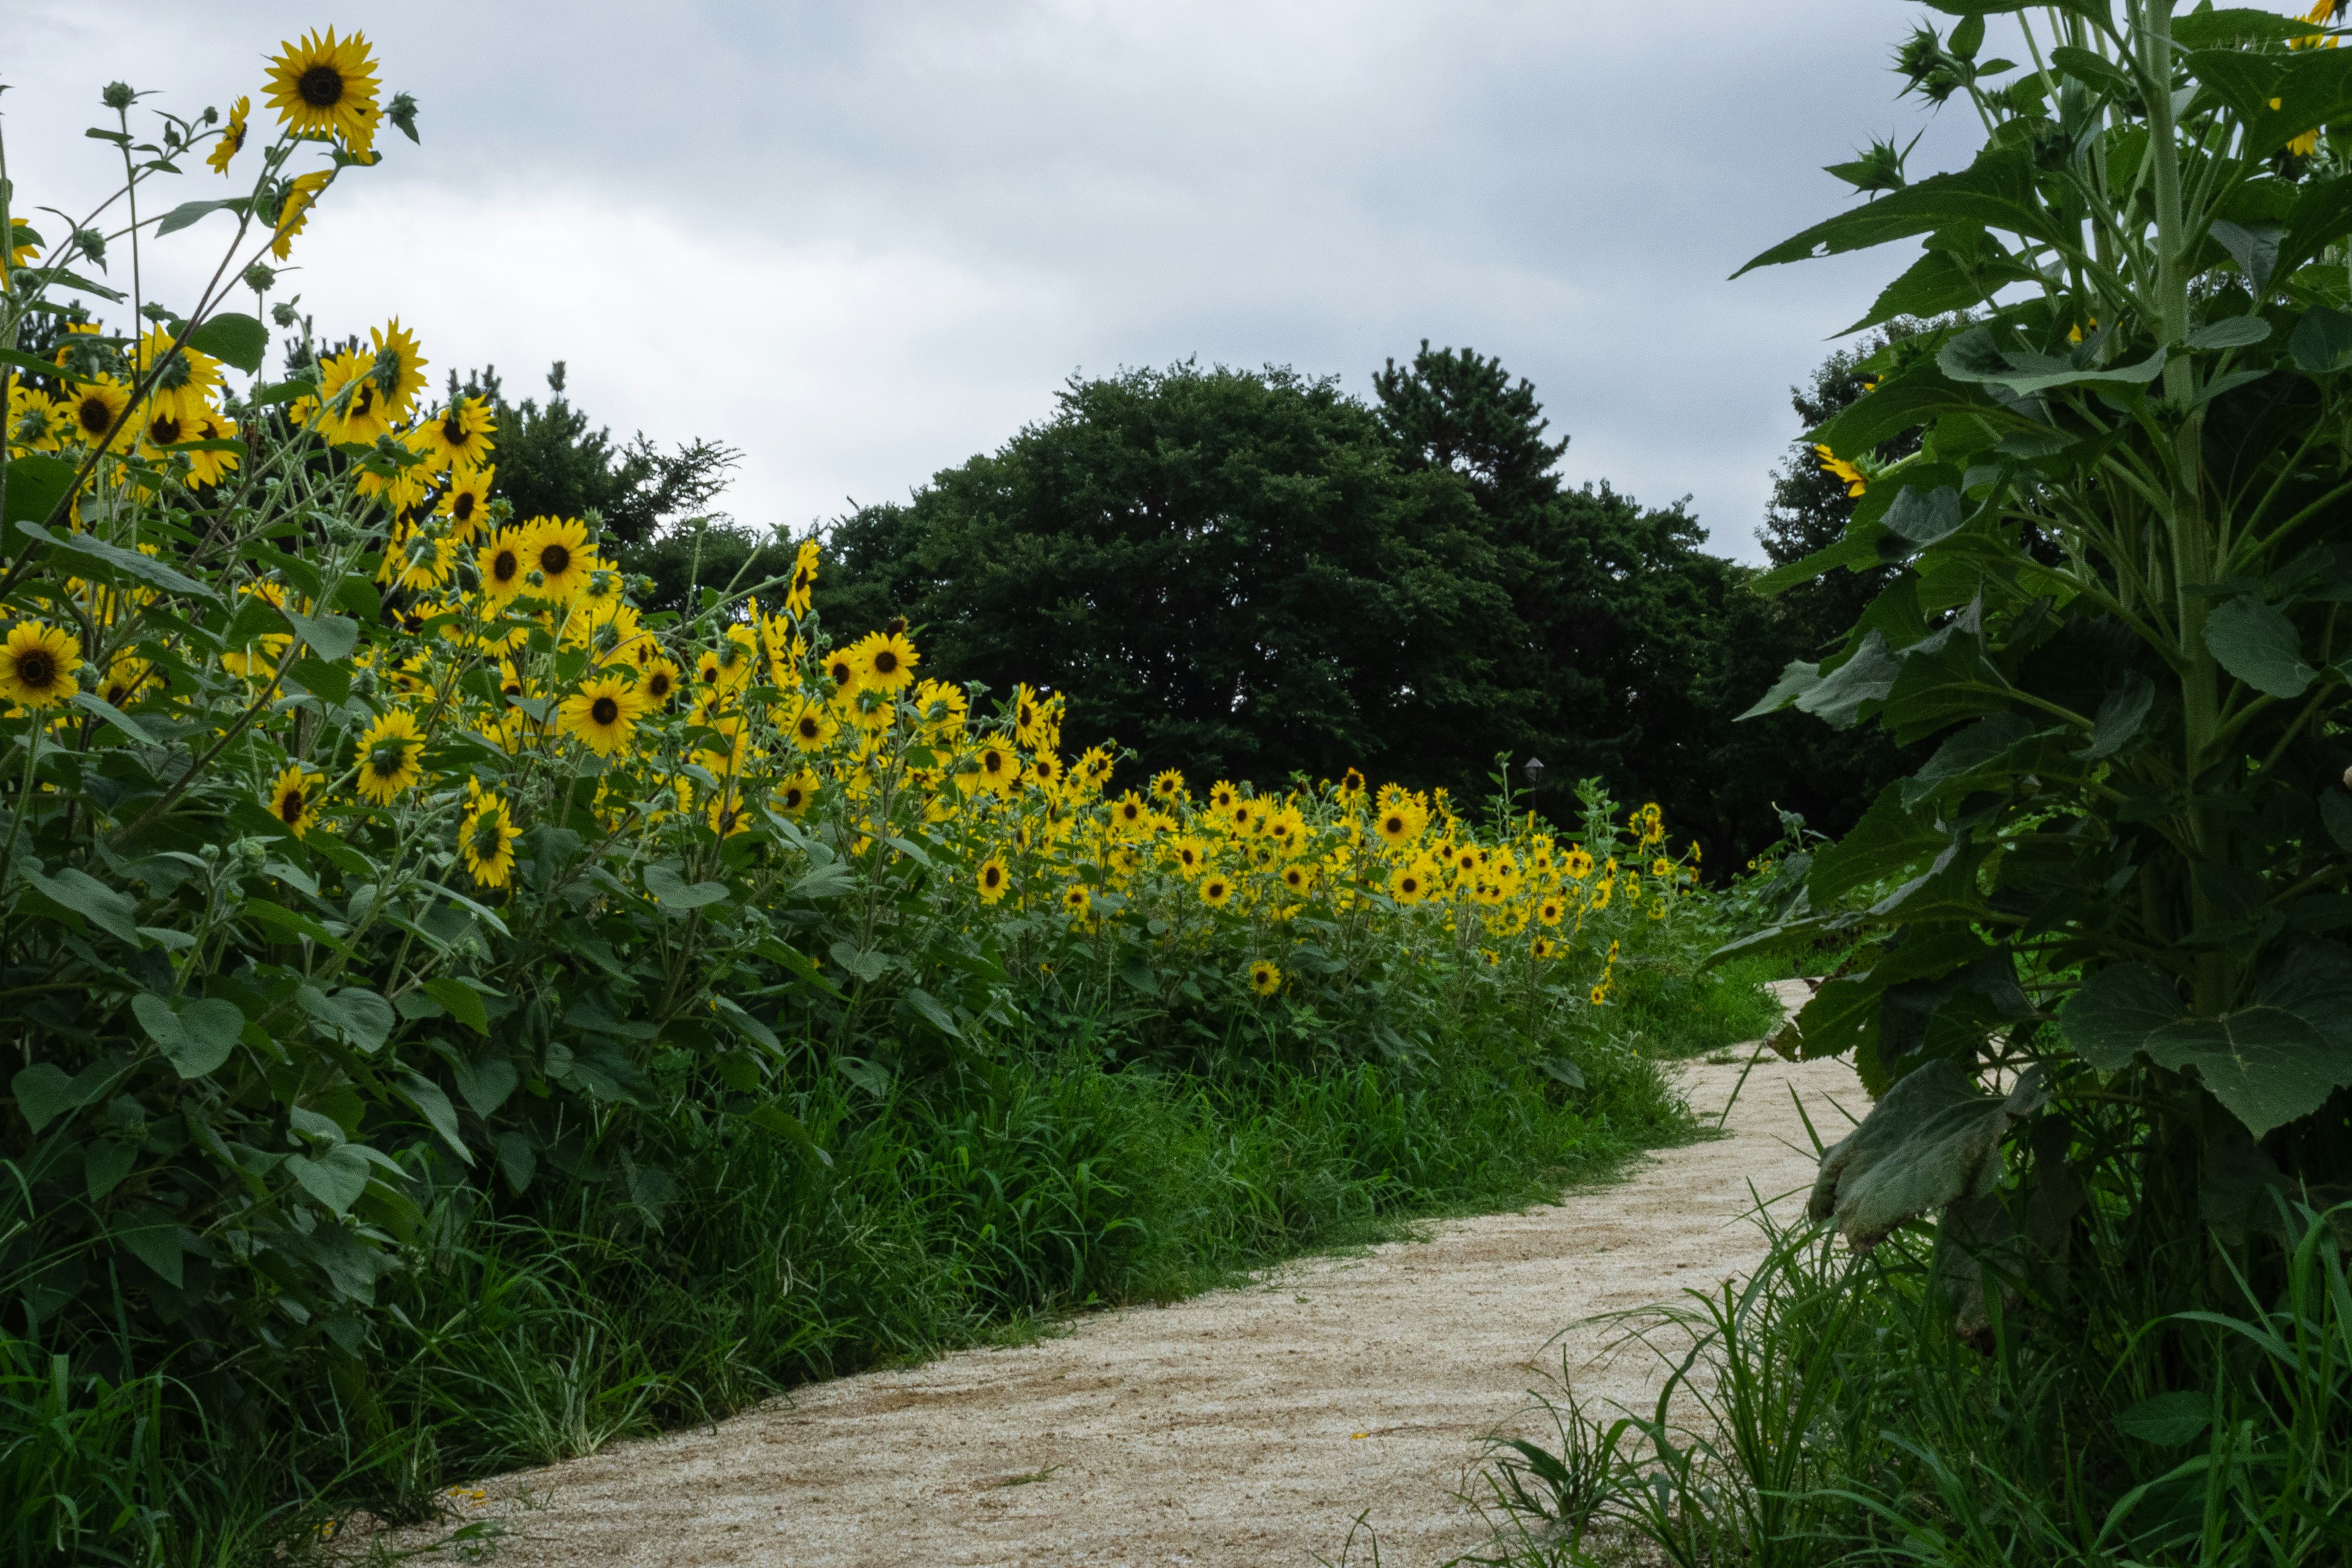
point(377, 874)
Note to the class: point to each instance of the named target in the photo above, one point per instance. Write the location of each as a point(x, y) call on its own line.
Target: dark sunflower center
point(94, 416)
point(289, 810)
point(604, 710)
point(554, 560)
point(793, 798)
point(461, 506)
point(363, 400)
point(452, 431)
point(37, 668)
point(726, 820)
point(841, 673)
point(321, 87)
point(810, 727)
point(885, 663)
point(993, 876)
point(658, 686)
point(505, 566)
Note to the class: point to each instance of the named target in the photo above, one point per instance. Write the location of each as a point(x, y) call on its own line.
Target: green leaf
point(2322, 341)
point(464, 1003)
point(1995, 192)
point(44, 1092)
point(2321, 216)
point(1888, 841)
point(1943, 679)
point(331, 636)
point(239, 340)
point(434, 1105)
point(196, 1035)
point(2230, 332)
point(486, 1079)
point(745, 1023)
point(1867, 677)
point(2095, 71)
point(1795, 681)
point(1139, 976)
point(292, 926)
point(676, 894)
point(1976, 356)
point(2336, 812)
point(111, 911)
point(360, 1016)
point(145, 569)
point(38, 366)
point(517, 1159)
point(1942, 282)
point(1839, 1019)
point(866, 964)
point(2265, 1065)
point(188, 213)
point(2111, 1018)
point(1904, 401)
point(150, 1234)
point(2169, 1420)
point(933, 1012)
point(1933, 1139)
point(2258, 644)
point(104, 1164)
point(2312, 89)
point(91, 703)
point(36, 485)
point(871, 1077)
point(2202, 28)
point(336, 1177)
point(1923, 517)
point(774, 1119)
point(2121, 713)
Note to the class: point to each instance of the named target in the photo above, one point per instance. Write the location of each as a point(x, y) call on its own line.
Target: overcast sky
point(863, 242)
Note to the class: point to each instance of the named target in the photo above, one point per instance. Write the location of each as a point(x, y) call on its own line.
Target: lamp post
point(1535, 771)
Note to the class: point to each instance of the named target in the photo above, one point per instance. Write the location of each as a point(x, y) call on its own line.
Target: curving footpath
point(1237, 1429)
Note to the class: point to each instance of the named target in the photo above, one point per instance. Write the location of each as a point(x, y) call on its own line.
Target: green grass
point(983, 1206)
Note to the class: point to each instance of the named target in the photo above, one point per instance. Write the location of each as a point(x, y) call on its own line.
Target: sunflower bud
point(118, 96)
point(92, 244)
point(284, 315)
point(260, 278)
point(535, 578)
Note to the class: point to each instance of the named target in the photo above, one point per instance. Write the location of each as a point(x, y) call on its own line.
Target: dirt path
point(1238, 1429)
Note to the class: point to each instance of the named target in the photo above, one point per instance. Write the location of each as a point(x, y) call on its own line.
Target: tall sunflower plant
point(366, 843)
point(2099, 936)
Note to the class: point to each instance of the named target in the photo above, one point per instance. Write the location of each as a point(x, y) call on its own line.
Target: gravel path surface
point(1238, 1429)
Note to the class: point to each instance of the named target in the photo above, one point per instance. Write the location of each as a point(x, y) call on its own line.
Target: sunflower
point(1166, 785)
point(397, 367)
point(558, 550)
point(886, 661)
point(943, 708)
point(1264, 978)
point(1191, 855)
point(1549, 912)
point(1300, 879)
point(1222, 796)
point(810, 723)
point(36, 422)
point(232, 137)
point(468, 503)
point(657, 680)
point(37, 664)
point(391, 756)
point(211, 467)
point(487, 840)
point(1075, 902)
point(500, 563)
point(994, 879)
point(322, 86)
point(797, 794)
point(294, 798)
point(96, 407)
point(1216, 890)
point(805, 565)
point(602, 715)
point(727, 816)
point(162, 430)
point(1408, 884)
point(1577, 863)
point(1662, 867)
point(998, 770)
point(351, 406)
point(179, 372)
point(841, 668)
point(123, 680)
point(294, 209)
point(1128, 814)
point(460, 436)
point(1598, 995)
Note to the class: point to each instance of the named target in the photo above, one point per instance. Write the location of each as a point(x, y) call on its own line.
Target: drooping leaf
point(329, 637)
point(145, 569)
point(673, 893)
point(151, 1234)
point(1888, 841)
point(464, 1003)
point(1923, 517)
point(2112, 1016)
point(486, 1079)
point(2265, 1065)
point(1795, 681)
point(1996, 192)
point(434, 1105)
point(335, 1178)
point(37, 484)
point(187, 213)
point(44, 1092)
point(109, 909)
point(1867, 677)
point(1932, 1140)
point(2121, 713)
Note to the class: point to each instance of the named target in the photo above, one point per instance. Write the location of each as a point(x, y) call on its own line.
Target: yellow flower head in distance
point(1167, 786)
point(1216, 890)
point(1264, 978)
point(461, 435)
point(232, 137)
point(795, 795)
point(796, 598)
point(886, 661)
point(502, 563)
point(657, 680)
point(391, 756)
point(37, 664)
point(602, 715)
point(294, 798)
point(321, 85)
point(994, 879)
point(486, 839)
point(810, 722)
point(96, 406)
point(557, 548)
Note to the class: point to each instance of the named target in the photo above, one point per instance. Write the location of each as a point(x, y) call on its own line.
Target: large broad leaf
point(110, 558)
point(336, 1177)
point(362, 1018)
point(2278, 98)
point(1921, 517)
point(194, 1034)
point(2258, 644)
point(2265, 1064)
point(239, 340)
point(1905, 401)
point(1888, 841)
point(44, 1092)
point(36, 485)
point(2116, 1010)
point(1976, 356)
point(1796, 681)
point(1943, 679)
point(1933, 1140)
point(1943, 281)
point(486, 1079)
point(1995, 192)
point(1971, 755)
point(111, 910)
point(676, 894)
point(1867, 677)
point(434, 1105)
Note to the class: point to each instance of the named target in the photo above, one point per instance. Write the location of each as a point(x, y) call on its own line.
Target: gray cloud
point(864, 242)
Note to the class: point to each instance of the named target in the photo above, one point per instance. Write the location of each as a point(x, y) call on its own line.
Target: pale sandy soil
point(1241, 1428)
